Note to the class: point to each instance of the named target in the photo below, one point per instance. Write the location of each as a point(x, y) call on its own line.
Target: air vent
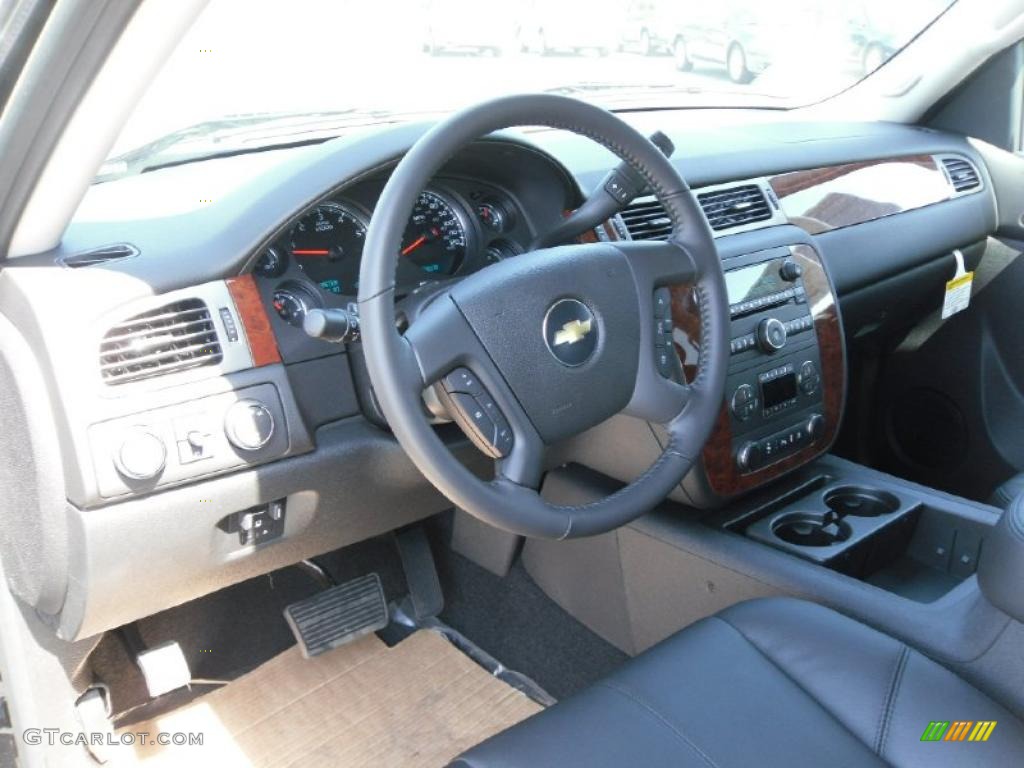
point(102, 255)
point(962, 174)
point(735, 206)
point(170, 339)
point(646, 219)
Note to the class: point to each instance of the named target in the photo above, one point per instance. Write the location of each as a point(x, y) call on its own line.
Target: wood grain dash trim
point(822, 199)
point(253, 314)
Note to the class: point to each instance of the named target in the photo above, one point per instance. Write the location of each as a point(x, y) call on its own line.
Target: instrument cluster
point(457, 227)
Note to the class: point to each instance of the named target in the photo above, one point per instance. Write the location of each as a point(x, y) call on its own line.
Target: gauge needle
point(414, 245)
point(311, 252)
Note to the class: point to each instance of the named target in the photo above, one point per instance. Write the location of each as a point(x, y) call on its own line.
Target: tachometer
point(435, 238)
point(328, 243)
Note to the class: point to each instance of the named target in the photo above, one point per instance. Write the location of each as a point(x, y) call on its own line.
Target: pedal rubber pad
point(338, 615)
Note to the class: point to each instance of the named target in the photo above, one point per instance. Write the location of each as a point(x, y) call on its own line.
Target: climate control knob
point(771, 335)
point(749, 457)
point(249, 425)
point(815, 426)
point(141, 455)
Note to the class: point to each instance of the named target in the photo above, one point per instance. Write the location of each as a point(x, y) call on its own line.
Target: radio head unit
point(775, 391)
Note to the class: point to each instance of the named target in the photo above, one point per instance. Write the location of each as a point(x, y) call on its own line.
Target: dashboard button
point(744, 402)
point(249, 425)
point(141, 456)
point(810, 379)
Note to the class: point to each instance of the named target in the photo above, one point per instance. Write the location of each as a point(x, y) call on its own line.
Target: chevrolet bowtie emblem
point(572, 332)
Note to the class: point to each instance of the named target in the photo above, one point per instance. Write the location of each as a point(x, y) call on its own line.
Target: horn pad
point(563, 327)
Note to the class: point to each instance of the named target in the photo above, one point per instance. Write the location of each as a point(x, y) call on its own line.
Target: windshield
point(251, 74)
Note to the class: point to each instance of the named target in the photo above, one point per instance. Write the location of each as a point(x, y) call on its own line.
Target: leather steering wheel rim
point(466, 327)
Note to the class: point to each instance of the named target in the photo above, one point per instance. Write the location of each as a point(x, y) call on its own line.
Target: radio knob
point(141, 456)
point(790, 271)
point(749, 457)
point(771, 335)
point(249, 425)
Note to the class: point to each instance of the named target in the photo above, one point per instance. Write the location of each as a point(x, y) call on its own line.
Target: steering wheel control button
point(141, 455)
point(463, 380)
point(771, 335)
point(478, 414)
point(249, 425)
point(662, 303)
point(474, 415)
point(744, 402)
point(570, 332)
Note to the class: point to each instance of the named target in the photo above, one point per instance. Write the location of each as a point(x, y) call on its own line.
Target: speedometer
point(435, 238)
point(328, 243)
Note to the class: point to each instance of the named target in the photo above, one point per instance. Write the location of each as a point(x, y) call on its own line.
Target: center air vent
point(646, 219)
point(172, 338)
point(734, 206)
point(962, 175)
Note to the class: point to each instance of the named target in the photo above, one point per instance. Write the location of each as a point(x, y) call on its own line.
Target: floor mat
point(513, 620)
point(419, 703)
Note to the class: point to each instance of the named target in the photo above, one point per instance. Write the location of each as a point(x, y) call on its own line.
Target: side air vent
point(962, 175)
point(646, 219)
point(735, 206)
point(102, 255)
point(169, 339)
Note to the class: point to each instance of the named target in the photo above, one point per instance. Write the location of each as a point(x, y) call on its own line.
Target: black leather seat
point(774, 682)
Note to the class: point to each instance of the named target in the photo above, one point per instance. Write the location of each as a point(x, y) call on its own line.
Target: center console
point(786, 379)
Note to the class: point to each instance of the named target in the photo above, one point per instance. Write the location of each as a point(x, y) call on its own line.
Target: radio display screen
point(778, 390)
point(754, 282)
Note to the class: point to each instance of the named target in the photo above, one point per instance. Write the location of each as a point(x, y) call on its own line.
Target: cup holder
point(852, 501)
point(811, 529)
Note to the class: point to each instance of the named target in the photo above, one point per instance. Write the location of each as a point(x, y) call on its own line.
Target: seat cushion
point(1007, 492)
point(768, 682)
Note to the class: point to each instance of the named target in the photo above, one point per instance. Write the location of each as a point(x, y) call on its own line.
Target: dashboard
point(173, 327)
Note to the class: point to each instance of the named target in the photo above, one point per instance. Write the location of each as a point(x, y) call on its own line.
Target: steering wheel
point(561, 338)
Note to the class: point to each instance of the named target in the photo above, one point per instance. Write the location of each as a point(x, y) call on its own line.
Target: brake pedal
point(338, 615)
